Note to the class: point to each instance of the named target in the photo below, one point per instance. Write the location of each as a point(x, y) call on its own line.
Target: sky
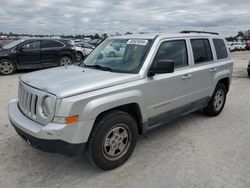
point(110, 16)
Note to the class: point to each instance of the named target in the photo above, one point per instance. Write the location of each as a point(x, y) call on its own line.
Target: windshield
point(13, 44)
point(119, 55)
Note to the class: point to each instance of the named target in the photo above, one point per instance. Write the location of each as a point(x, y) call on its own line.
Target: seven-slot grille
point(27, 102)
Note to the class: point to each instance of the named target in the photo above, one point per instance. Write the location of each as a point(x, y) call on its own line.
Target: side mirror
point(162, 67)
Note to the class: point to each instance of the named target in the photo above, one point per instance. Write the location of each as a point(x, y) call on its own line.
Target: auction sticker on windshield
point(137, 42)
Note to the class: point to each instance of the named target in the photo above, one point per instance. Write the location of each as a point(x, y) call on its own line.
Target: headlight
point(47, 107)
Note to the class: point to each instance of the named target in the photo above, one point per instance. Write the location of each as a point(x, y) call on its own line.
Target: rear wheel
point(65, 61)
point(7, 67)
point(112, 140)
point(217, 101)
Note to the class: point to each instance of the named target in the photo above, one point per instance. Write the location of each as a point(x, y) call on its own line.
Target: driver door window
point(31, 46)
point(175, 50)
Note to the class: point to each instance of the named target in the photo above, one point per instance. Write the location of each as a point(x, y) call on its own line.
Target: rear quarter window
point(220, 48)
point(51, 44)
point(201, 50)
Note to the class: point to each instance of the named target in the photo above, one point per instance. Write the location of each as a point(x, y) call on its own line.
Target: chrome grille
point(27, 102)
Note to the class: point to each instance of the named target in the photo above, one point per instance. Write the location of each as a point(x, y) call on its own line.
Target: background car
point(114, 50)
point(35, 53)
point(248, 69)
point(82, 50)
point(231, 46)
point(240, 45)
point(248, 45)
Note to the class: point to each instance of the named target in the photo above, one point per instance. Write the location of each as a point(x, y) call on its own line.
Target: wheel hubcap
point(116, 142)
point(65, 61)
point(79, 57)
point(219, 99)
point(6, 67)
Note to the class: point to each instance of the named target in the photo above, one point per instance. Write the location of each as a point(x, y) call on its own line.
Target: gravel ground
point(195, 151)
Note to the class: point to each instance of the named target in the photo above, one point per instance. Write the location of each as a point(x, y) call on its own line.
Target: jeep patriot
point(102, 105)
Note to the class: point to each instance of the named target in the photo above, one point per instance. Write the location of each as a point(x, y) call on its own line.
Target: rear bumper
point(54, 146)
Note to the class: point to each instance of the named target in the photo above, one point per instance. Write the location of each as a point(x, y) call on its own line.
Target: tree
point(96, 36)
point(128, 33)
point(104, 35)
point(241, 34)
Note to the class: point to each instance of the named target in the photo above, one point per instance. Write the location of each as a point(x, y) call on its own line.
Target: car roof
point(163, 35)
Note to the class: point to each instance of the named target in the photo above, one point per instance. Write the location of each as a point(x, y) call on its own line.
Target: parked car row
point(238, 46)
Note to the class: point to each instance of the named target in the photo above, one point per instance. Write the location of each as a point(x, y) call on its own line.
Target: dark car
point(248, 69)
point(248, 45)
point(34, 54)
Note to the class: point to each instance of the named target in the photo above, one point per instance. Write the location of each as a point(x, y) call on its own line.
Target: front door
point(29, 55)
point(170, 94)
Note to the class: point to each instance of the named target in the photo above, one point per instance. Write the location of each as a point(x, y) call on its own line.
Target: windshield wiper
point(98, 67)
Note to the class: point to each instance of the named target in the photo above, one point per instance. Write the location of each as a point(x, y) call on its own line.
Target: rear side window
point(173, 50)
point(220, 48)
point(51, 44)
point(201, 50)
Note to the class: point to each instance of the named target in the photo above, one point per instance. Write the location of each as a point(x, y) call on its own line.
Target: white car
point(114, 50)
point(231, 46)
point(83, 50)
point(240, 45)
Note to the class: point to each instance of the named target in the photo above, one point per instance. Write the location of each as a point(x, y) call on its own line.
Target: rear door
point(204, 67)
point(50, 52)
point(28, 54)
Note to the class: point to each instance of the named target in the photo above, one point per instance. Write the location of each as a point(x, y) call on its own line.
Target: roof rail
point(206, 32)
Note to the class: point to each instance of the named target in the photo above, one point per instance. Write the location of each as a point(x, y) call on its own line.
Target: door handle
point(186, 76)
point(212, 70)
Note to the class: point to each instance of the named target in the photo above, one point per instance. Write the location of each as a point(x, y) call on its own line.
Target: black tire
point(115, 121)
point(249, 74)
point(111, 54)
point(79, 56)
point(214, 107)
point(65, 61)
point(7, 67)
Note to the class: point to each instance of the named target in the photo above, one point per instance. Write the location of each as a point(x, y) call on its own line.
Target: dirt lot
point(195, 151)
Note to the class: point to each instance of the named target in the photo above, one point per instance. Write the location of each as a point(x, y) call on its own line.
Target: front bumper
point(58, 138)
point(54, 146)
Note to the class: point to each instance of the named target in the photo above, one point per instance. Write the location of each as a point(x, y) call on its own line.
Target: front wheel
point(112, 140)
point(217, 101)
point(79, 56)
point(7, 67)
point(111, 54)
point(65, 61)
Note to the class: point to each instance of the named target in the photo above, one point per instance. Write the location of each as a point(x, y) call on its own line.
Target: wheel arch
point(133, 109)
point(225, 81)
point(130, 102)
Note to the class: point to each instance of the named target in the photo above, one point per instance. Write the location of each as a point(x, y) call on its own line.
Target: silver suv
point(102, 105)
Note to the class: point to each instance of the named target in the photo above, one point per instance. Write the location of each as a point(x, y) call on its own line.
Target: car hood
point(72, 80)
point(4, 51)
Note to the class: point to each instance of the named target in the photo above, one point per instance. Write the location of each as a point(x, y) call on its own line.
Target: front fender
point(102, 104)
